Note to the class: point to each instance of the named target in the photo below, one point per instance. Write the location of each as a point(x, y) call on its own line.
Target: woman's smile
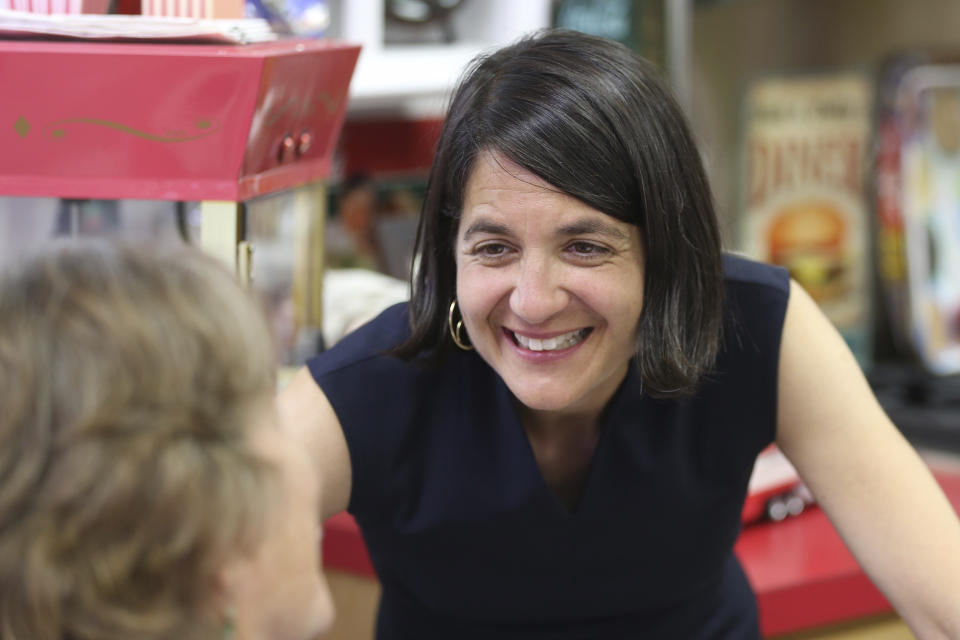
point(550, 289)
point(546, 348)
point(562, 342)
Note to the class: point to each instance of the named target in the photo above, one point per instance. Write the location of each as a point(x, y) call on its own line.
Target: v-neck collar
point(627, 393)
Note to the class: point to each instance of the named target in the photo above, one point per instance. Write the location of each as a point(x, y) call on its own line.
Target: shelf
point(409, 80)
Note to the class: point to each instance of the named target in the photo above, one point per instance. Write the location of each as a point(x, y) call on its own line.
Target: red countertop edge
point(344, 548)
point(801, 571)
point(804, 576)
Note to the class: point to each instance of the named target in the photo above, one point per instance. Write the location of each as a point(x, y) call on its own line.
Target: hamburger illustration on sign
point(809, 239)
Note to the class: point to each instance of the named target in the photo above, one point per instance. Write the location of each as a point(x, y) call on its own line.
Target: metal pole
point(679, 29)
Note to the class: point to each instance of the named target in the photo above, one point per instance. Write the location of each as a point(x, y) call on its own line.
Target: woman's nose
point(537, 293)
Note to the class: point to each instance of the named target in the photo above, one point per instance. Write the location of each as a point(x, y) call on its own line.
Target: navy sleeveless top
point(470, 542)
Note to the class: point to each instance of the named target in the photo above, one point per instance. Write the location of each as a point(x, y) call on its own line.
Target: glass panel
point(27, 224)
point(285, 231)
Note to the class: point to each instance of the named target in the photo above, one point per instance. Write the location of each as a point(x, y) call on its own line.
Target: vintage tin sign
point(803, 191)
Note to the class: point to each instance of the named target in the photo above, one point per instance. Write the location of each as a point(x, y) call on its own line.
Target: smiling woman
point(589, 120)
point(553, 439)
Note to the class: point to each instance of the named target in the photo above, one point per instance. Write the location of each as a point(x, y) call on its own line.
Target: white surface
point(352, 297)
point(771, 471)
point(416, 80)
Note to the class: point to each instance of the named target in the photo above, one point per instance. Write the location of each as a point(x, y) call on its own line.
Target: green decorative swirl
point(206, 126)
point(329, 102)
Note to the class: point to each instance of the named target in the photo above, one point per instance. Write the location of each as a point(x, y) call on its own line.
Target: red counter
point(804, 575)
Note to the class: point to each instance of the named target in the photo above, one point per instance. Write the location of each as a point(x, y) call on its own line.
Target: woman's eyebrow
point(580, 227)
point(591, 226)
point(486, 226)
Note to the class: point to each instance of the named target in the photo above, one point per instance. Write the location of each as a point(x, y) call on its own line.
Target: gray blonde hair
point(130, 378)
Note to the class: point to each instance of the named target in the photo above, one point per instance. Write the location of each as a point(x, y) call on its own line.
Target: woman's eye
point(492, 249)
point(587, 249)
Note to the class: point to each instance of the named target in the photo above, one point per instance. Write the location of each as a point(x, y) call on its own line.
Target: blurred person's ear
point(276, 590)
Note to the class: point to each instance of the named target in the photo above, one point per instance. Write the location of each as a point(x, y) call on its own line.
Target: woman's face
point(278, 592)
point(550, 289)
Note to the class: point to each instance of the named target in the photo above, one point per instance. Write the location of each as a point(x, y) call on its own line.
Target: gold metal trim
point(56, 130)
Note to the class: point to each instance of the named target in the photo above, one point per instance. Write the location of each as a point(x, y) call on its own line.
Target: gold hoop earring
point(455, 331)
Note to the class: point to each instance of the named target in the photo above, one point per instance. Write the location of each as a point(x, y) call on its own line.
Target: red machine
point(182, 122)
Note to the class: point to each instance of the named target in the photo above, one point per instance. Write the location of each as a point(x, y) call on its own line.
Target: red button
point(287, 148)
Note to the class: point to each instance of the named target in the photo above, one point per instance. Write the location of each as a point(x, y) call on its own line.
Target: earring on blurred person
point(229, 626)
point(455, 331)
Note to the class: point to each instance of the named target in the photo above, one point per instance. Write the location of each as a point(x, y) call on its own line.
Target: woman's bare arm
point(875, 488)
point(307, 415)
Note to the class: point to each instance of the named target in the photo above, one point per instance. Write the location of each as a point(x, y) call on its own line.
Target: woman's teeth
point(555, 343)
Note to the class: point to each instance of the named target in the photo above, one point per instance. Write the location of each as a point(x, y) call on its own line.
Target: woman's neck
point(545, 424)
point(563, 445)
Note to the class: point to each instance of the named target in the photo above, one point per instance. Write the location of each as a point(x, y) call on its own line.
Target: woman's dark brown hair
point(594, 120)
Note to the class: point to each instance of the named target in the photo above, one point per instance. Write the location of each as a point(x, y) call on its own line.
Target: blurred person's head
point(146, 489)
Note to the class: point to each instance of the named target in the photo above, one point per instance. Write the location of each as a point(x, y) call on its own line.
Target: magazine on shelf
point(22, 24)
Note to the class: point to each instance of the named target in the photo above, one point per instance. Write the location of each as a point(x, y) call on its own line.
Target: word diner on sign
point(780, 164)
point(800, 141)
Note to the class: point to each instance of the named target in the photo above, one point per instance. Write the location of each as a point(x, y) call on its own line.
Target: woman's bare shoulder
point(308, 415)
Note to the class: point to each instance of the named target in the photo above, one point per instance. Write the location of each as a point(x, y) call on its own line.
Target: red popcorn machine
point(225, 146)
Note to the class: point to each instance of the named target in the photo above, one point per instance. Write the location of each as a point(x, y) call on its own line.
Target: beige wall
point(735, 42)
